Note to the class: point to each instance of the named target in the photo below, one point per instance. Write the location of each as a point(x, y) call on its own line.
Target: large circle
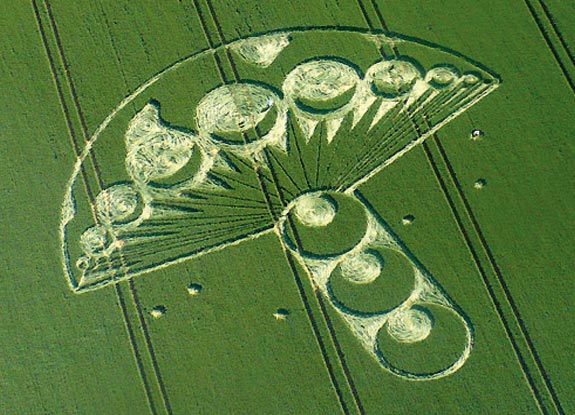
point(392, 78)
point(231, 112)
point(426, 341)
point(321, 85)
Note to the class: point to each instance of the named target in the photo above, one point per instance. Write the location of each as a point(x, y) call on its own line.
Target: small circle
point(480, 184)
point(471, 78)
point(324, 224)
point(477, 134)
point(441, 77)
point(195, 289)
point(392, 78)
point(158, 311)
point(117, 202)
point(408, 220)
point(361, 268)
point(315, 210)
point(409, 326)
point(82, 263)
point(94, 240)
point(281, 314)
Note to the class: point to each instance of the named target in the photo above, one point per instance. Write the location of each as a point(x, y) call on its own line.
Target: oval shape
point(441, 76)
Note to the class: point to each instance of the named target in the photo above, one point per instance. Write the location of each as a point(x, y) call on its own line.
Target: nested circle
point(236, 113)
point(315, 210)
point(361, 268)
point(424, 342)
point(372, 281)
point(333, 225)
point(321, 85)
point(392, 78)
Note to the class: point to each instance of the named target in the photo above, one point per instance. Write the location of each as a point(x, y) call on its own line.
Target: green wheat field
point(401, 246)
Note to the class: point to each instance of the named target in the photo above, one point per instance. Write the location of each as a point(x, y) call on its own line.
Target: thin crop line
point(151, 351)
point(97, 174)
point(557, 31)
point(500, 279)
point(550, 46)
point(459, 222)
point(485, 246)
point(277, 186)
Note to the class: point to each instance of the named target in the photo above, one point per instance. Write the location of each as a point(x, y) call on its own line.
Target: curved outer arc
point(68, 203)
point(454, 367)
point(66, 217)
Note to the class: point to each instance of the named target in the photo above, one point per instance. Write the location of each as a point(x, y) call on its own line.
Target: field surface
point(299, 207)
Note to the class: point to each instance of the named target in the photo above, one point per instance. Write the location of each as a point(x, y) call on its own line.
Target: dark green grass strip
point(97, 174)
point(89, 191)
point(543, 24)
point(500, 279)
